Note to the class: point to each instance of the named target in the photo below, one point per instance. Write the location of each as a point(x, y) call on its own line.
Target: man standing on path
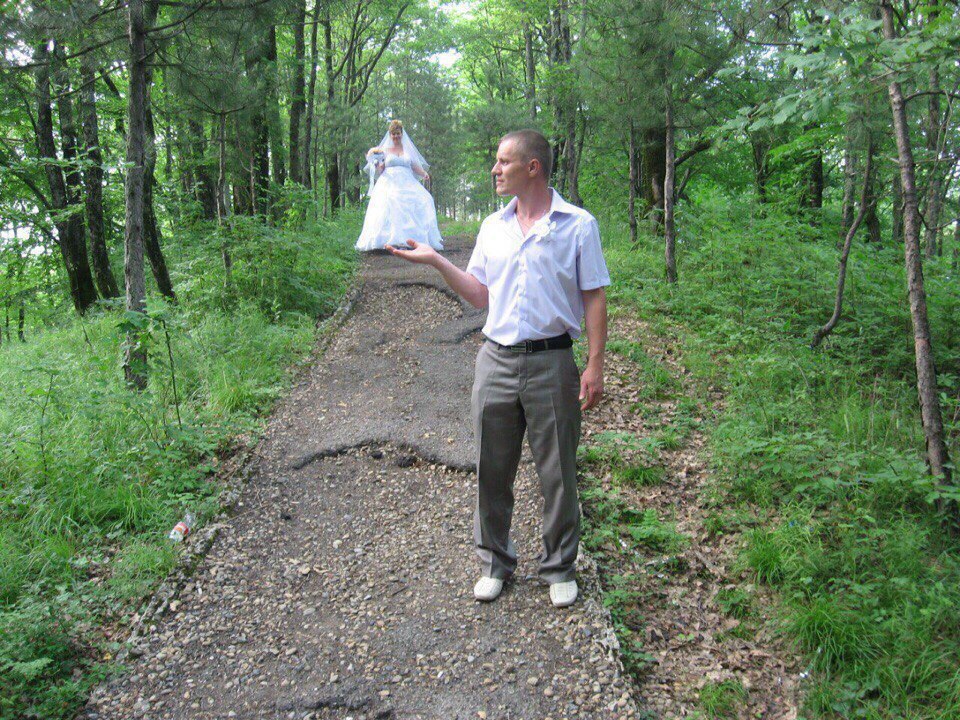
point(538, 268)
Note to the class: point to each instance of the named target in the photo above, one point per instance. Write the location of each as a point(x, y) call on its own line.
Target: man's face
point(511, 171)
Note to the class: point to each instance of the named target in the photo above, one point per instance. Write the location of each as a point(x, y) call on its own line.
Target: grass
point(818, 454)
point(93, 476)
point(722, 699)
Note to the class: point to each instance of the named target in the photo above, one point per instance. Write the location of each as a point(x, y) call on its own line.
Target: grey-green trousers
point(536, 393)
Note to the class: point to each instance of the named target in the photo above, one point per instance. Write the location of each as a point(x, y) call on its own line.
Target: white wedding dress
point(400, 209)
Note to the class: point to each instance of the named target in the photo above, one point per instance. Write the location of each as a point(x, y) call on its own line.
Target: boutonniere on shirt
point(545, 230)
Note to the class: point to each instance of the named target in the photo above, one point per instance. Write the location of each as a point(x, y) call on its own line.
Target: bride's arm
point(419, 171)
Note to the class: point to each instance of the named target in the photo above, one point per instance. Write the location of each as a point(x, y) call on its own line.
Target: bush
point(92, 476)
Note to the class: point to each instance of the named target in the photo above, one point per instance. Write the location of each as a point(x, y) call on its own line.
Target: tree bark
point(653, 160)
point(937, 456)
point(896, 228)
point(278, 163)
point(93, 182)
point(70, 230)
point(820, 334)
point(135, 353)
point(222, 206)
point(260, 168)
point(849, 183)
point(307, 162)
point(152, 236)
point(874, 233)
point(811, 196)
point(760, 145)
point(634, 161)
point(955, 264)
point(331, 161)
point(934, 130)
point(530, 68)
point(205, 187)
point(670, 169)
point(297, 103)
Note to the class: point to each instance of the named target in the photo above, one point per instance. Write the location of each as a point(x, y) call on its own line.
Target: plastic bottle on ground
point(182, 528)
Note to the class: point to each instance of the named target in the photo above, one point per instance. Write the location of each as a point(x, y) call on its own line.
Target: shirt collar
point(557, 205)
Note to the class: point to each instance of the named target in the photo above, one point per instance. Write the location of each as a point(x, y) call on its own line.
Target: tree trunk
point(897, 220)
point(937, 456)
point(93, 182)
point(652, 170)
point(955, 265)
point(260, 178)
point(530, 68)
point(255, 60)
point(634, 161)
point(222, 206)
point(874, 234)
point(152, 237)
point(934, 130)
point(564, 103)
point(70, 230)
point(242, 172)
point(849, 183)
point(811, 197)
point(330, 156)
point(296, 92)
point(760, 145)
point(820, 334)
point(307, 163)
point(135, 353)
point(279, 166)
point(205, 189)
point(670, 169)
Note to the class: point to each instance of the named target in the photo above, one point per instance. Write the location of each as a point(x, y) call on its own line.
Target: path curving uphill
point(342, 586)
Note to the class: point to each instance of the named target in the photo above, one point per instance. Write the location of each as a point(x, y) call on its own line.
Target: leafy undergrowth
point(93, 476)
point(818, 455)
point(690, 624)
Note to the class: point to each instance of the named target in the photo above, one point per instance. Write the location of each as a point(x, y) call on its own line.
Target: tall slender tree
point(937, 456)
point(135, 351)
point(93, 180)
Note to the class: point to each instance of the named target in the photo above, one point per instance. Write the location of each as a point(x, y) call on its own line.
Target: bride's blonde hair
point(395, 125)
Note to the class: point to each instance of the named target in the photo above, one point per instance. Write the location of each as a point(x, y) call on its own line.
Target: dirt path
point(342, 587)
point(701, 625)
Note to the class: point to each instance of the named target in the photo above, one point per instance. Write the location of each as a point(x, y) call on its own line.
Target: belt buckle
point(528, 346)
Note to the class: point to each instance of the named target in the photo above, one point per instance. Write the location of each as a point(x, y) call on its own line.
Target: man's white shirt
point(535, 281)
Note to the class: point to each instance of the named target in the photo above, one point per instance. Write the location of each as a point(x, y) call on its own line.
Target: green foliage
point(624, 601)
point(655, 380)
point(611, 523)
point(639, 475)
point(92, 475)
point(821, 452)
point(736, 602)
point(722, 699)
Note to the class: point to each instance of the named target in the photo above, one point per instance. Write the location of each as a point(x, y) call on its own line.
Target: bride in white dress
point(400, 207)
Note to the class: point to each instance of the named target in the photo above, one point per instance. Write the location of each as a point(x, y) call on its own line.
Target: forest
point(775, 180)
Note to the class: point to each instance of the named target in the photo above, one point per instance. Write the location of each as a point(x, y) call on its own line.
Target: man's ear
point(534, 167)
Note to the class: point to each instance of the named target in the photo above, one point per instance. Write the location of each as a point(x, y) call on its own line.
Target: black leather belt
point(560, 342)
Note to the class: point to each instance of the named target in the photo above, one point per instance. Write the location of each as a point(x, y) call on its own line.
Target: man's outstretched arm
point(462, 283)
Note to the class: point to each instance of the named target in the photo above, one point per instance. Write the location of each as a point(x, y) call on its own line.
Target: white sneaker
point(487, 589)
point(563, 594)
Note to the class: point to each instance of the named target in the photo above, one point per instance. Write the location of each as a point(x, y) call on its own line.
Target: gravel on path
point(342, 586)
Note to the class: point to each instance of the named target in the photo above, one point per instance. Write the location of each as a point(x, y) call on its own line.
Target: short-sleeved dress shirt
point(534, 281)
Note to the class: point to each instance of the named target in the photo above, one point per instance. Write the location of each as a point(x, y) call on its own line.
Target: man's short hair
point(533, 145)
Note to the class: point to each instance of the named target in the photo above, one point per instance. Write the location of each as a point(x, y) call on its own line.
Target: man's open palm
point(418, 252)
